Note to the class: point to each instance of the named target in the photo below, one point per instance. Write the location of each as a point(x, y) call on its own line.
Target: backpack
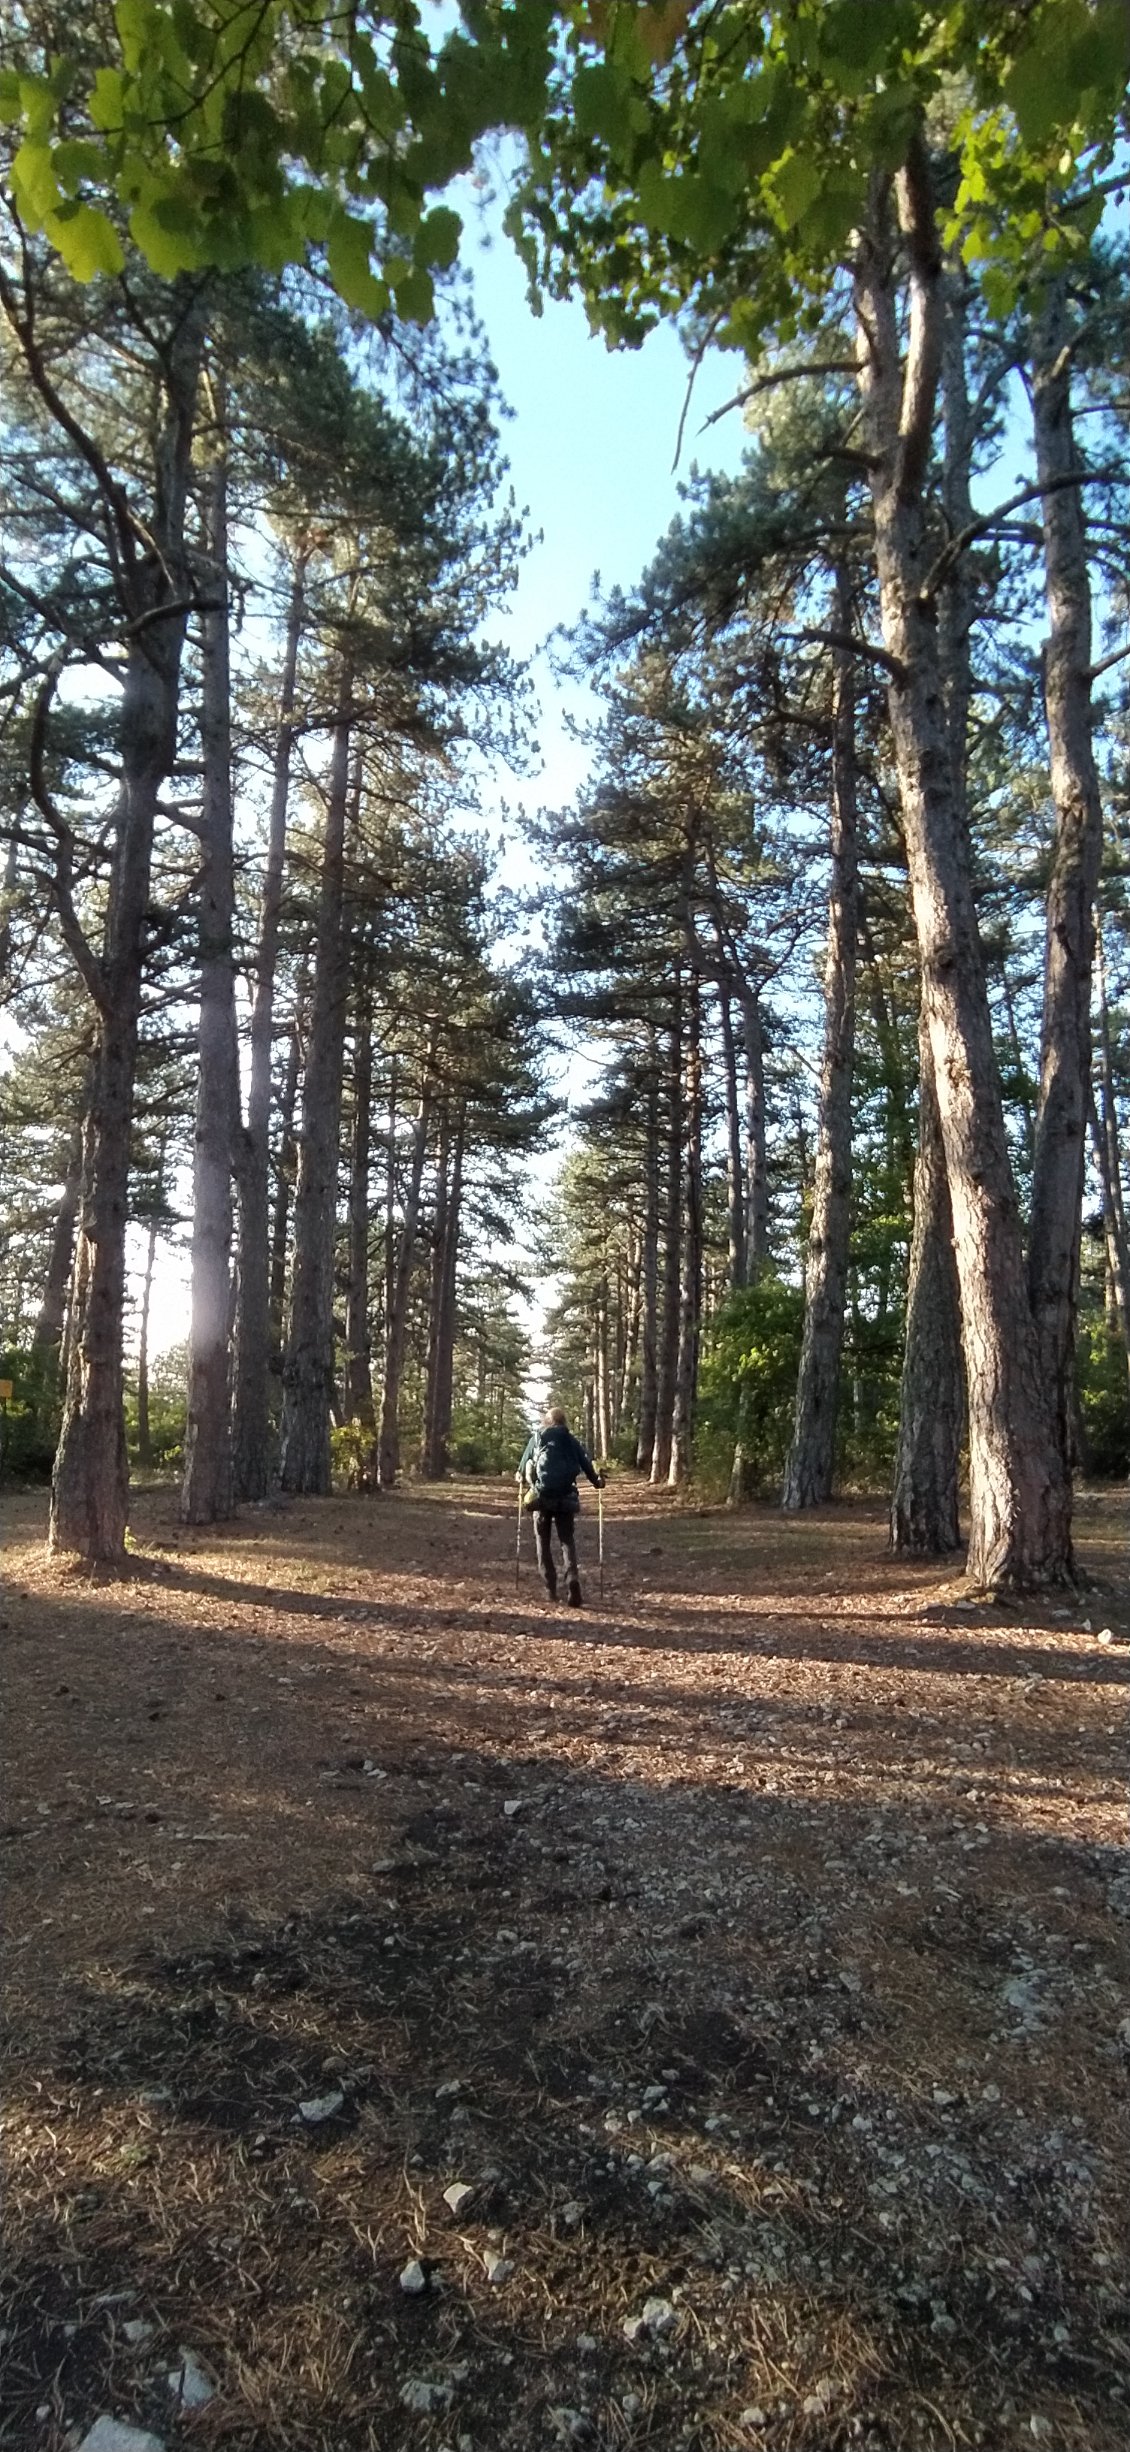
point(554, 1471)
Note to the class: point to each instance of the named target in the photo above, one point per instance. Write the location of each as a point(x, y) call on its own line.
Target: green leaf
point(437, 239)
point(167, 250)
point(139, 29)
point(86, 240)
point(602, 105)
point(106, 106)
point(796, 182)
point(34, 184)
point(415, 296)
point(349, 257)
point(1035, 96)
point(11, 107)
point(77, 159)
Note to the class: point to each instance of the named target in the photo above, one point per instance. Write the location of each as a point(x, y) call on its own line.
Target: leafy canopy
point(715, 154)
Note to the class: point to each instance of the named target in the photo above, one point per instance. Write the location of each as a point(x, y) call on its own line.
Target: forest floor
point(748, 1946)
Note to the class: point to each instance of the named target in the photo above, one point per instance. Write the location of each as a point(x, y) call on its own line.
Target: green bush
point(1104, 1399)
point(29, 1425)
point(748, 1379)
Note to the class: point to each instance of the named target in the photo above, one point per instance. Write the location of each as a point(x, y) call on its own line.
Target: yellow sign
point(5, 1390)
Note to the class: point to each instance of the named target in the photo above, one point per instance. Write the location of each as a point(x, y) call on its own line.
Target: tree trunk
point(667, 1339)
point(308, 1368)
point(735, 1171)
point(649, 1272)
point(924, 1520)
point(47, 1336)
point(756, 1177)
point(633, 1311)
point(144, 1434)
point(810, 1470)
point(603, 1406)
point(358, 1345)
point(690, 1289)
point(924, 1498)
point(1020, 1504)
point(90, 1489)
point(255, 1345)
point(396, 1318)
point(206, 1493)
point(287, 1171)
point(441, 1353)
point(1065, 1037)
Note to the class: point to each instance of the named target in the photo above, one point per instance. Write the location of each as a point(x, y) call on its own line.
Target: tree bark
point(441, 1344)
point(649, 1271)
point(255, 1345)
point(47, 1336)
point(1065, 1037)
point(287, 1171)
point(396, 1317)
point(924, 1517)
point(144, 1433)
point(924, 1499)
point(207, 1493)
point(667, 1338)
point(90, 1488)
point(810, 1470)
point(690, 1288)
point(757, 1173)
point(735, 1171)
point(358, 1343)
point(1020, 1506)
point(308, 1367)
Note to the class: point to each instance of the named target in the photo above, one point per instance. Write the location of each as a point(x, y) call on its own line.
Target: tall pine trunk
point(690, 1287)
point(1065, 1037)
point(285, 1177)
point(206, 1493)
point(308, 1367)
point(47, 1336)
point(358, 1343)
point(252, 1435)
point(810, 1470)
point(90, 1488)
point(399, 1290)
point(144, 1431)
point(441, 1340)
point(649, 1269)
point(735, 1171)
point(1020, 1503)
point(667, 1326)
point(924, 1497)
point(924, 1520)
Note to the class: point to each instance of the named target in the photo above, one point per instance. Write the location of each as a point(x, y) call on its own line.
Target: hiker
point(550, 1464)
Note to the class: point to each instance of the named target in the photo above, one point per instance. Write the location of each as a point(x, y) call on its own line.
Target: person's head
point(555, 1418)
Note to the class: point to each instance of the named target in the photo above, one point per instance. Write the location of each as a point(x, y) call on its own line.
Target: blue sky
point(591, 446)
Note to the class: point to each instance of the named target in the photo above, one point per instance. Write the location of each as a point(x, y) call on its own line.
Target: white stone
point(321, 2107)
point(137, 2331)
point(458, 2195)
point(754, 2416)
point(413, 2278)
point(189, 2381)
point(497, 2268)
point(511, 1805)
point(113, 2435)
point(423, 2396)
point(572, 2213)
point(658, 2315)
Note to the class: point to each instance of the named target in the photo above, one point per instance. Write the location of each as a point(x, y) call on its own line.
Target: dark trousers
point(564, 1522)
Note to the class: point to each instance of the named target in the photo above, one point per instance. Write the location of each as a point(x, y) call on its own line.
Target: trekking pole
point(600, 1536)
point(518, 1548)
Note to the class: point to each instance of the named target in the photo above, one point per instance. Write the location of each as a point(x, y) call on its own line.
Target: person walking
point(550, 1463)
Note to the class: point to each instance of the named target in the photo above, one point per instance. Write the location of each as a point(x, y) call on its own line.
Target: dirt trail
point(753, 1945)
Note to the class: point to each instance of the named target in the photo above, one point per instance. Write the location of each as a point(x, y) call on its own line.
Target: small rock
point(321, 2107)
point(587, 2344)
point(421, 2394)
point(814, 2405)
point(136, 2331)
point(511, 1805)
point(658, 2317)
point(573, 2212)
point(1106, 1634)
point(189, 2382)
point(113, 2435)
point(458, 2195)
point(451, 2085)
point(754, 2416)
point(497, 2268)
point(570, 2425)
point(413, 2279)
point(699, 2174)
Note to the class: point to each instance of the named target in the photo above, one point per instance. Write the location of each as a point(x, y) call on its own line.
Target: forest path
point(754, 1944)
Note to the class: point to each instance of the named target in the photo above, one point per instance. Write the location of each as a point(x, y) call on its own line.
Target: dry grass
point(793, 1993)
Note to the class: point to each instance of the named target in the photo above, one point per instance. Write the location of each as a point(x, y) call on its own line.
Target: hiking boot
point(574, 1596)
point(551, 1582)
